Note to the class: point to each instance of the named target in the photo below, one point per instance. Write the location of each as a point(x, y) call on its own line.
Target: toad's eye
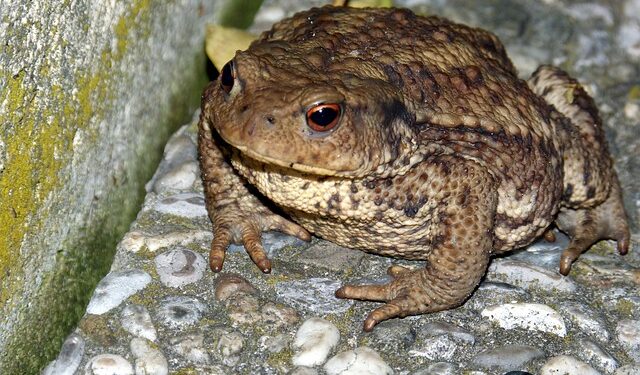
point(227, 76)
point(324, 117)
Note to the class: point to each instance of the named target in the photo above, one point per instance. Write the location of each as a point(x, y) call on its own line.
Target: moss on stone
point(83, 261)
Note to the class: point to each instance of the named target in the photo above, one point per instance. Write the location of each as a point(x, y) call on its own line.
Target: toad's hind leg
point(592, 206)
point(455, 264)
point(587, 226)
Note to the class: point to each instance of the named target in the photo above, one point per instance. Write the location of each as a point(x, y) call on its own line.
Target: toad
point(405, 136)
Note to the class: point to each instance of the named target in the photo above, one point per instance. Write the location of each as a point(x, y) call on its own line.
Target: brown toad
point(404, 136)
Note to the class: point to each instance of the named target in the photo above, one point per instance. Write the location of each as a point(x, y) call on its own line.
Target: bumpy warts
point(404, 136)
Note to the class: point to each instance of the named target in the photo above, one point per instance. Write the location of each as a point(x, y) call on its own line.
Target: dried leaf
point(222, 43)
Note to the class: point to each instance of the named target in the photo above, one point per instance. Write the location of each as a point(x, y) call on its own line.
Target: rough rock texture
point(189, 320)
point(89, 92)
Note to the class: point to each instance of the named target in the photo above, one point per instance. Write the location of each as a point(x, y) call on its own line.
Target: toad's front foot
point(411, 292)
point(233, 224)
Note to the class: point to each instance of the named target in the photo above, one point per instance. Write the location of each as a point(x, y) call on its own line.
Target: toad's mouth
point(246, 151)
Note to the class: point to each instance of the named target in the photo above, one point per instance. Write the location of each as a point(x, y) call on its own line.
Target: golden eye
point(227, 76)
point(324, 117)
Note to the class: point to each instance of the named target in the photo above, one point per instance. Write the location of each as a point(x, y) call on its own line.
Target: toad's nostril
point(250, 128)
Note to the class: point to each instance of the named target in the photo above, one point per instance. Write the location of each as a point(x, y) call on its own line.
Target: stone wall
point(89, 91)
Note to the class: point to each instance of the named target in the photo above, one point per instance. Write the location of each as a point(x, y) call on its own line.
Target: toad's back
point(468, 100)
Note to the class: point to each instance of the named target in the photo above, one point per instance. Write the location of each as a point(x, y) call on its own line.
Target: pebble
point(628, 370)
point(530, 316)
point(438, 368)
point(69, 357)
point(231, 284)
point(394, 334)
point(180, 311)
point(181, 177)
point(136, 320)
point(278, 316)
point(441, 328)
point(527, 276)
point(115, 288)
point(271, 242)
point(149, 361)
point(566, 365)
point(189, 205)
point(135, 241)
point(593, 353)
point(314, 295)
point(303, 370)
point(274, 344)
point(180, 267)
point(507, 357)
point(326, 255)
point(314, 341)
point(191, 347)
point(230, 344)
point(360, 361)
point(108, 364)
point(244, 309)
point(436, 348)
point(587, 320)
point(179, 148)
point(628, 332)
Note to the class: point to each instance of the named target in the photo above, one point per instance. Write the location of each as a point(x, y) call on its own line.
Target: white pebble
point(531, 316)
point(136, 241)
point(566, 365)
point(149, 361)
point(598, 356)
point(526, 275)
point(360, 361)
point(589, 321)
point(180, 267)
point(115, 288)
point(180, 177)
point(191, 347)
point(313, 342)
point(180, 311)
point(69, 358)
point(189, 205)
point(108, 364)
point(628, 332)
point(137, 321)
point(437, 348)
point(230, 345)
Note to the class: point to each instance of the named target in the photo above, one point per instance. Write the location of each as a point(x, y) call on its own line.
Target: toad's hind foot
point(589, 225)
point(411, 292)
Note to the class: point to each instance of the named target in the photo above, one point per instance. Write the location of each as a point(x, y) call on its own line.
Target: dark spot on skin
point(377, 200)
point(394, 77)
point(354, 188)
point(305, 186)
point(378, 216)
point(591, 192)
point(355, 204)
point(568, 191)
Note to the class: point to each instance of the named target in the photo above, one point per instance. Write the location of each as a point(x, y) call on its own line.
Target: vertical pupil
point(323, 116)
point(227, 76)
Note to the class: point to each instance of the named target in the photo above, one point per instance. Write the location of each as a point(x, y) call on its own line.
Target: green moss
point(625, 308)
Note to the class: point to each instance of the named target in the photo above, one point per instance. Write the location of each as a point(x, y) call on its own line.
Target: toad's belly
point(412, 240)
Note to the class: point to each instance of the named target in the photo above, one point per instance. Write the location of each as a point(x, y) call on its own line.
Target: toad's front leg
point(456, 262)
point(238, 216)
